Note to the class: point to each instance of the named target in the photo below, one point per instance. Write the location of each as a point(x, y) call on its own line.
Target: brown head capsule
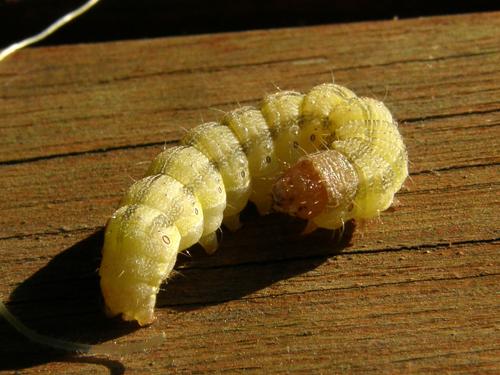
point(320, 180)
point(300, 191)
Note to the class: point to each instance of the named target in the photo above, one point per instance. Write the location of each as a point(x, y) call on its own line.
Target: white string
point(49, 30)
point(107, 348)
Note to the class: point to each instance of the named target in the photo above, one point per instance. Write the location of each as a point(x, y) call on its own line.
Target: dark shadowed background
point(127, 19)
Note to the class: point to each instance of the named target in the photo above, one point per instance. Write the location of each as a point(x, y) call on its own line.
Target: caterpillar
point(327, 156)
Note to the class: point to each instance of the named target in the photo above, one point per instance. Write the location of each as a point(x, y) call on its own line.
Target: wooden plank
point(412, 292)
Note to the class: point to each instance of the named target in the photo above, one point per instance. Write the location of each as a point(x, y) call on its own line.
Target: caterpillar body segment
point(254, 135)
point(317, 106)
point(282, 113)
point(219, 144)
point(327, 157)
point(195, 171)
point(173, 199)
point(371, 121)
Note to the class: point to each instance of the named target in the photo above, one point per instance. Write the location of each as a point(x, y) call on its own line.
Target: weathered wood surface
point(413, 292)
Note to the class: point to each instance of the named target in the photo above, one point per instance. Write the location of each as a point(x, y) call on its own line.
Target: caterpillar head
point(317, 181)
point(300, 191)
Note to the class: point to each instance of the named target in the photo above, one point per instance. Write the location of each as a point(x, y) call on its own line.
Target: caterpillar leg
point(209, 243)
point(232, 223)
point(263, 207)
point(261, 197)
point(310, 227)
point(338, 233)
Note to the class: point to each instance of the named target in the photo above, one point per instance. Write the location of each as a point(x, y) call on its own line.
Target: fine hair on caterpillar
point(327, 157)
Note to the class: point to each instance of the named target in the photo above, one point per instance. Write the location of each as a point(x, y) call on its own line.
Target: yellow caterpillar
point(327, 156)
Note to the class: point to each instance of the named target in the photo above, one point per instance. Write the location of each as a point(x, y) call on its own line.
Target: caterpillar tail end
point(139, 252)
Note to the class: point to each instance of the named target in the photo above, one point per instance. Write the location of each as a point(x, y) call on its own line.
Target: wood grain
point(413, 292)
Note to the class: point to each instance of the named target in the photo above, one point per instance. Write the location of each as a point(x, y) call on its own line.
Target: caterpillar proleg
point(327, 156)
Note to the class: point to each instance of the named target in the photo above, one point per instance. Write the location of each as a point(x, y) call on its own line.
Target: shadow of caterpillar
point(327, 156)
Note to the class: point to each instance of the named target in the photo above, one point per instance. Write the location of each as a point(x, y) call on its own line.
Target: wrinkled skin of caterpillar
point(327, 157)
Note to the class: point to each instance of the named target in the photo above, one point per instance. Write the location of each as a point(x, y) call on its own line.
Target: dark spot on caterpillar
point(312, 137)
point(245, 147)
point(268, 159)
point(351, 206)
point(219, 189)
point(295, 144)
point(166, 239)
point(196, 211)
point(274, 132)
point(189, 189)
point(243, 174)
